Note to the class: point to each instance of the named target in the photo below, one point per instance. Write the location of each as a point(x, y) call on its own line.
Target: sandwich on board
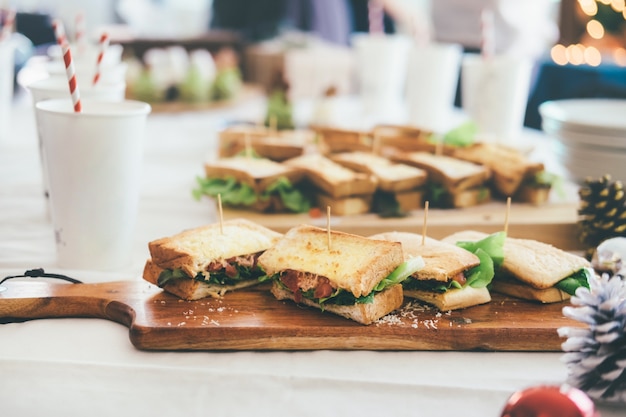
point(209, 260)
point(452, 277)
point(345, 274)
point(534, 270)
point(254, 183)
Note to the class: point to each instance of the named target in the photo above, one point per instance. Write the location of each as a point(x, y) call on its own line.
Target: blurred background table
point(64, 367)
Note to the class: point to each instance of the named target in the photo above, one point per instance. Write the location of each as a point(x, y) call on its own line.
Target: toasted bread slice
point(452, 299)
point(392, 177)
point(405, 138)
point(454, 174)
point(384, 303)
point(345, 206)
point(332, 178)
point(191, 289)
point(343, 140)
point(410, 200)
point(533, 195)
point(193, 250)
point(442, 261)
point(351, 262)
point(258, 173)
point(508, 165)
point(535, 263)
point(521, 290)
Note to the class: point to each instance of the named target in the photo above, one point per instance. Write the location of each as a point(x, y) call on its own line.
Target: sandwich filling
point(235, 193)
point(322, 290)
point(229, 271)
point(490, 252)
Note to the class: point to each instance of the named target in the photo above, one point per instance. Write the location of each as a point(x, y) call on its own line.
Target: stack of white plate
point(589, 136)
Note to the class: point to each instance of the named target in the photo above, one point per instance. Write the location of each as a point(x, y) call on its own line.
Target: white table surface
point(80, 367)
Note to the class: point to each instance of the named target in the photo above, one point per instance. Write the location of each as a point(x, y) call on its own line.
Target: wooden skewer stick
point(506, 215)
point(328, 225)
point(425, 223)
point(439, 145)
point(248, 145)
point(273, 124)
point(376, 144)
point(221, 213)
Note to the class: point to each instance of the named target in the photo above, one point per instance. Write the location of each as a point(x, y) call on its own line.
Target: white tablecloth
point(80, 367)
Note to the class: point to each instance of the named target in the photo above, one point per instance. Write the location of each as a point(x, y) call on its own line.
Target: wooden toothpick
point(439, 145)
point(248, 145)
point(221, 213)
point(273, 124)
point(425, 223)
point(506, 215)
point(328, 226)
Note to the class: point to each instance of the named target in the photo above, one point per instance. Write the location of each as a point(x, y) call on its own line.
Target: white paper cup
point(494, 93)
point(94, 165)
point(381, 69)
point(7, 70)
point(56, 88)
point(431, 84)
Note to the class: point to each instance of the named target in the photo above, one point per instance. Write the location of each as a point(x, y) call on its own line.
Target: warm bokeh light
point(558, 53)
point(576, 54)
point(579, 54)
point(595, 29)
point(618, 5)
point(619, 56)
point(592, 56)
point(589, 7)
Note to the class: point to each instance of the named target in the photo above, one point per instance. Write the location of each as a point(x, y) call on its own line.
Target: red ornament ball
point(549, 401)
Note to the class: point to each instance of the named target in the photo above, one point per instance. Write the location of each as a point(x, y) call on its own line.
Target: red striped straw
point(376, 16)
point(104, 44)
point(59, 32)
point(488, 41)
point(79, 27)
point(9, 22)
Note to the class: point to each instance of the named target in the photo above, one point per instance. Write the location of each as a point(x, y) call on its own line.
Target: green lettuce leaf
point(578, 279)
point(462, 135)
point(291, 197)
point(402, 272)
point(218, 277)
point(234, 193)
point(481, 275)
point(492, 244)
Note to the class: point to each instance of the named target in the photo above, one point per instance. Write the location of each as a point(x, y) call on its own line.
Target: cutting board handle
point(25, 300)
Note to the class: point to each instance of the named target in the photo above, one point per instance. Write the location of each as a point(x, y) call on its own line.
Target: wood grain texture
point(254, 320)
point(553, 223)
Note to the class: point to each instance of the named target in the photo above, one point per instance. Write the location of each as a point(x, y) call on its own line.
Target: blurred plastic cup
point(381, 69)
point(94, 164)
point(85, 71)
point(431, 84)
point(7, 62)
point(55, 88)
point(494, 93)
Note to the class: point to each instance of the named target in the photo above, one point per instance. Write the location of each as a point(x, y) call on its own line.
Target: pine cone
point(602, 212)
point(596, 355)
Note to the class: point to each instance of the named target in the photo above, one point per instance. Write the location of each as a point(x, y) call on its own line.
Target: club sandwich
point(341, 273)
point(534, 270)
point(209, 260)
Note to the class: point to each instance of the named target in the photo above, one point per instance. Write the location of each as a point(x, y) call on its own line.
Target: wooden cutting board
point(254, 320)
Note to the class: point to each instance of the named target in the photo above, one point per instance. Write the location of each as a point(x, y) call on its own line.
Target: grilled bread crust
point(384, 303)
point(517, 289)
point(332, 178)
point(191, 289)
point(452, 299)
point(392, 177)
point(537, 264)
point(442, 260)
point(353, 263)
point(258, 173)
point(454, 174)
point(194, 249)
